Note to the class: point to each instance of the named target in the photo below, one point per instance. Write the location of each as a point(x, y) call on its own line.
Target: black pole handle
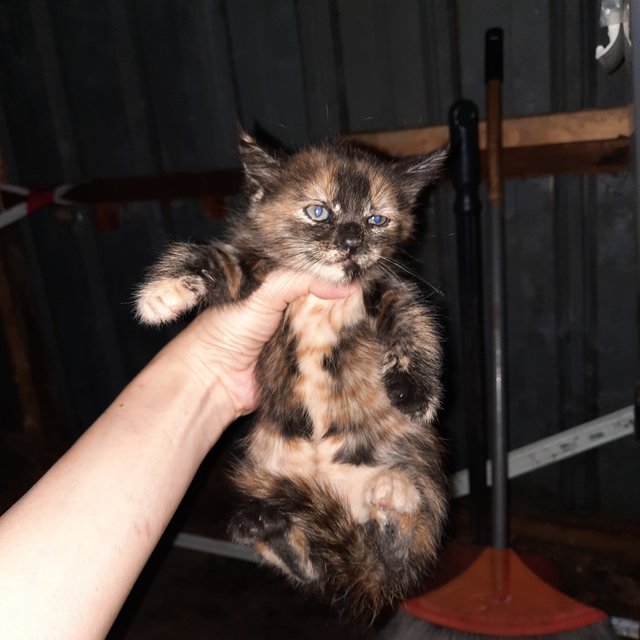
point(493, 54)
point(465, 175)
point(465, 165)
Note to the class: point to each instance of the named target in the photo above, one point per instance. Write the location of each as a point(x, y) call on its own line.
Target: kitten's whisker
point(399, 265)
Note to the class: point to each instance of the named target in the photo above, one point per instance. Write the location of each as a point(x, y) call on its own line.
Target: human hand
point(223, 343)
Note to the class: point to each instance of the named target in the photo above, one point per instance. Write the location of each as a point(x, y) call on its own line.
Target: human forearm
point(71, 549)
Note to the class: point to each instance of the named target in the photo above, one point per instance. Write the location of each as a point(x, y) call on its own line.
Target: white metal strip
point(15, 213)
point(215, 547)
point(13, 188)
point(625, 628)
point(558, 447)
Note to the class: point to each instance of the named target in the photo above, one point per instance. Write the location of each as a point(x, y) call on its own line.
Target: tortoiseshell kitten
point(342, 479)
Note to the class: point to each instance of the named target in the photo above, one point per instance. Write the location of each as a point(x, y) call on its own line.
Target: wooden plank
point(604, 156)
point(160, 187)
point(595, 157)
point(557, 128)
point(583, 142)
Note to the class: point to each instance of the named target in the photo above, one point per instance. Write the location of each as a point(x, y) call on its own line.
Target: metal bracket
point(559, 446)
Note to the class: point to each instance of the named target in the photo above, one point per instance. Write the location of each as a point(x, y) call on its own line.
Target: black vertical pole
point(465, 172)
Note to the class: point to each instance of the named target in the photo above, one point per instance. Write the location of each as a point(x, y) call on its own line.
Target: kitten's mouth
point(351, 267)
point(343, 269)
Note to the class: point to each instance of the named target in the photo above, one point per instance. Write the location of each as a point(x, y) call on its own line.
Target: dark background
point(121, 88)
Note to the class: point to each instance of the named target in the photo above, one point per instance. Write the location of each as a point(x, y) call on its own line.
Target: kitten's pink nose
point(349, 236)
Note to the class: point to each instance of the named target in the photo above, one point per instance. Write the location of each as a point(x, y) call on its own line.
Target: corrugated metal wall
point(123, 88)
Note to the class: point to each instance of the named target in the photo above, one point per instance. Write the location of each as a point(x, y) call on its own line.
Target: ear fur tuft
point(418, 172)
point(260, 165)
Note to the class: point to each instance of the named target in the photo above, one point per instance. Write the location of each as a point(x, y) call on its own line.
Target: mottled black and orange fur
point(342, 481)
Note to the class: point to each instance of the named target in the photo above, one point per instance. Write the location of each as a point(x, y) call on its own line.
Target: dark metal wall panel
point(267, 63)
point(526, 52)
point(89, 80)
point(145, 87)
point(321, 52)
point(125, 253)
point(87, 336)
point(79, 331)
point(614, 336)
point(30, 139)
point(615, 258)
point(531, 319)
point(186, 67)
point(137, 110)
point(386, 83)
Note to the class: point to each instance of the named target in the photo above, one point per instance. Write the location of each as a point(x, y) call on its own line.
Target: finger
point(283, 287)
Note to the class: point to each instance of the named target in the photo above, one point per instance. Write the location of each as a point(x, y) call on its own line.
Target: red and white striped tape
point(33, 200)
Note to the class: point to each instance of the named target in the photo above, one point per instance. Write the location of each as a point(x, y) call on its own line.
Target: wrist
point(184, 387)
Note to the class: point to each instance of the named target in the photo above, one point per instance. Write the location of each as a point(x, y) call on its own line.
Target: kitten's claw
point(391, 490)
point(161, 301)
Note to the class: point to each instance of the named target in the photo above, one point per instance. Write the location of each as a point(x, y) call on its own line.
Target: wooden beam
point(589, 157)
point(171, 186)
point(555, 128)
point(579, 142)
point(163, 187)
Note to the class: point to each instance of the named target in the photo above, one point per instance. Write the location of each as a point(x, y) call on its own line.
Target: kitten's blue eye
point(317, 212)
point(377, 220)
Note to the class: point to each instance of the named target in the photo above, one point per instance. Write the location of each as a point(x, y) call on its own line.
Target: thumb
point(283, 287)
point(261, 313)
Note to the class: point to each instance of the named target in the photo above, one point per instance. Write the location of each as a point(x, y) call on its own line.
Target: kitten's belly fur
point(314, 460)
point(317, 325)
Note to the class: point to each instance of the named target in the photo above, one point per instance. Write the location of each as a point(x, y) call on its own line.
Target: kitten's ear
point(418, 172)
point(260, 165)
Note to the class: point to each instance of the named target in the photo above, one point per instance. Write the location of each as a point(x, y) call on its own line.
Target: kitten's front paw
point(406, 393)
point(163, 300)
point(391, 490)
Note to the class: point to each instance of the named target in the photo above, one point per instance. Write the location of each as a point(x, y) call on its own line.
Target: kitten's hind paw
point(161, 301)
point(391, 490)
point(257, 522)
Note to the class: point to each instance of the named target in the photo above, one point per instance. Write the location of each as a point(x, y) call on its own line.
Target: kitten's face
point(333, 209)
